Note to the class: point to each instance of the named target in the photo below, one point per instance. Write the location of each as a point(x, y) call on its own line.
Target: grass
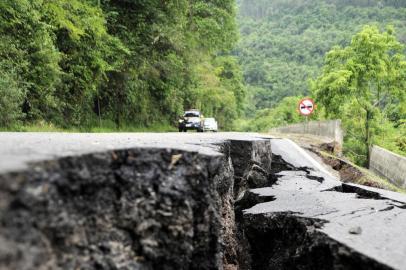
point(159, 127)
point(105, 127)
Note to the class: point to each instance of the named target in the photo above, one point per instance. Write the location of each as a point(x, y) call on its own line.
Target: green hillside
point(348, 55)
point(283, 42)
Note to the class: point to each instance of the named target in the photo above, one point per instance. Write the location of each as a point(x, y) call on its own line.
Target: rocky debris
point(356, 230)
point(257, 177)
point(252, 164)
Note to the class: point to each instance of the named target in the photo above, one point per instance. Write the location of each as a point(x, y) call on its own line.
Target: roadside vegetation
point(116, 65)
point(348, 55)
point(364, 84)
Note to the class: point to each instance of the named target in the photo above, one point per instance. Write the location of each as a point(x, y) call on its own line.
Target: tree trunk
point(191, 27)
point(117, 119)
point(118, 108)
point(368, 139)
point(99, 110)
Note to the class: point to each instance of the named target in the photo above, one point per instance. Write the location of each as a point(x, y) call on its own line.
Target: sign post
point(306, 108)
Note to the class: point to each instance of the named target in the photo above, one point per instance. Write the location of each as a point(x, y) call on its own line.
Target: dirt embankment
point(349, 172)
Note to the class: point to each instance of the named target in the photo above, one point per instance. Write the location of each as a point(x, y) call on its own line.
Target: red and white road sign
point(306, 106)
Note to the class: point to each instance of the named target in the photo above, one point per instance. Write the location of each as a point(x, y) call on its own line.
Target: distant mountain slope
point(283, 42)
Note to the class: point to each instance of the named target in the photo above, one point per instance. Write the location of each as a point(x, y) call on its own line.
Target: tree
point(284, 113)
point(124, 62)
point(88, 52)
point(284, 42)
point(11, 97)
point(369, 73)
point(26, 47)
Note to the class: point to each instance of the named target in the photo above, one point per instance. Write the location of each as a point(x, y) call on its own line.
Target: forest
point(91, 64)
point(283, 42)
point(347, 55)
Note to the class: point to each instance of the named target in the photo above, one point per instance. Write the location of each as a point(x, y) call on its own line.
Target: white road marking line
point(310, 158)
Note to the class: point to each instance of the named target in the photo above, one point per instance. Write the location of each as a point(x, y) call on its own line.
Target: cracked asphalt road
point(369, 221)
point(17, 150)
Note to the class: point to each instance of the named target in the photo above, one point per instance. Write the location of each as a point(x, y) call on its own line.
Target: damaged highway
point(189, 201)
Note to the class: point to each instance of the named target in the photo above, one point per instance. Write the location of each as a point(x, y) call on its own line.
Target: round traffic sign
point(306, 106)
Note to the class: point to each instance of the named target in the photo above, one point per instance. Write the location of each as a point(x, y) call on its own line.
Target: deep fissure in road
point(161, 209)
point(286, 241)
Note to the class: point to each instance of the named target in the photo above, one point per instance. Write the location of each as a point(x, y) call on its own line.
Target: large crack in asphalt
point(285, 241)
point(129, 209)
point(278, 234)
point(171, 209)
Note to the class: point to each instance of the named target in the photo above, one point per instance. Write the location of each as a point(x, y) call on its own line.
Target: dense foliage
point(283, 42)
point(129, 62)
point(284, 113)
point(363, 84)
point(325, 49)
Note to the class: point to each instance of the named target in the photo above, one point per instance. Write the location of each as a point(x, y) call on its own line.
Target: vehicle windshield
point(209, 120)
point(192, 114)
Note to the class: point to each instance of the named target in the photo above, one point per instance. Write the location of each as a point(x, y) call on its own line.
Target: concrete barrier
point(330, 129)
point(389, 165)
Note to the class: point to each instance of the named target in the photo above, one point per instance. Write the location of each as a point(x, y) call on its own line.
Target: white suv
point(191, 120)
point(210, 124)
